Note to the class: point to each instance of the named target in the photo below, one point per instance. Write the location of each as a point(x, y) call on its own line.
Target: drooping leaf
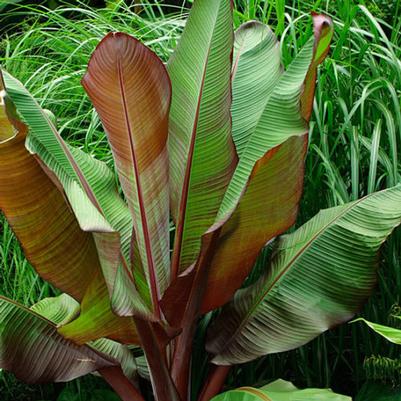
point(59, 310)
point(40, 217)
point(389, 333)
point(280, 390)
point(32, 349)
point(97, 319)
point(62, 309)
point(93, 196)
point(201, 149)
point(318, 278)
point(130, 90)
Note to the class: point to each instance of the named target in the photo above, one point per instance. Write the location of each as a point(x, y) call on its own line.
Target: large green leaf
point(280, 390)
point(32, 349)
point(130, 90)
point(318, 278)
point(263, 212)
point(201, 149)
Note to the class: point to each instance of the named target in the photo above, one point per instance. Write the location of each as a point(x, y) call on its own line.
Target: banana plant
point(213, 144)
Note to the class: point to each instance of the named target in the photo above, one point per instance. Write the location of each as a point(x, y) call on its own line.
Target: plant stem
point(214, 382)
point(180, 369)
point(120, 383)
point(162, 383)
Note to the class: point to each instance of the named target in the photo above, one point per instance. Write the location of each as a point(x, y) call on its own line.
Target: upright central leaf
point(202, 153)
point(130, 90)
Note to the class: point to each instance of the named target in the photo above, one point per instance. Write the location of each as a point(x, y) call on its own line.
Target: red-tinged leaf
point(268, 207)
point(59, 245)
point(202, 153)
point(97, 320)
point(262, 214)
point(38, 214)
point(323, 33)
point(32, 349)
point(189, 312)
point(268, 202)
point(130, 90)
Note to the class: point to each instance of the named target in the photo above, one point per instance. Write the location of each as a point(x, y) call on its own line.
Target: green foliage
point(279, 390)
point(382, 369)
point(69, 394)
point(378, 392)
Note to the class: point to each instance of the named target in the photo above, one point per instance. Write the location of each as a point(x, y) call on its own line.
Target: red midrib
point(151, 267)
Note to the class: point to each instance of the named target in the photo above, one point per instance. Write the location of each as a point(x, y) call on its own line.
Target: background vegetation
point(355, 149)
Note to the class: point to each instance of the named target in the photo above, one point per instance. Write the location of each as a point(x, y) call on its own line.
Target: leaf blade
point(134, 114)
point(315, 282)
point(34, 351)
point(202, 153)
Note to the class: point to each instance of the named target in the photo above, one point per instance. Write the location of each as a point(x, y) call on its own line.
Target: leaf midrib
point(148, 247)
point(299, 254)
point(185, 189)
